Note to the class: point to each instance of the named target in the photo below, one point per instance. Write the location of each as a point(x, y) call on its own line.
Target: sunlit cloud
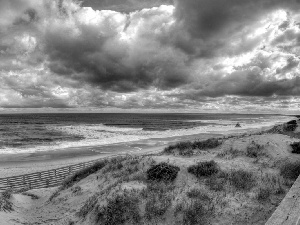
point(199, 55)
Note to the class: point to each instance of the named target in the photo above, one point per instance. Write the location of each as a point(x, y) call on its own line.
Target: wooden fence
point(43, 179)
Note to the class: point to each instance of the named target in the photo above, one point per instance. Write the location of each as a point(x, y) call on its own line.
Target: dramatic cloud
point(206, 55)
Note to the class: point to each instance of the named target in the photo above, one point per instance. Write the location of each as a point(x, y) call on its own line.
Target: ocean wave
point(101, 135)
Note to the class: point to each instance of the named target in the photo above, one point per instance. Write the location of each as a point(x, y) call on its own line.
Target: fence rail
point(43, 179)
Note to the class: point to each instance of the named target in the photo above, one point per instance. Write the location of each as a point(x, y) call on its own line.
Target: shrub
point(292, 122)
point(157, 205)
point(216, 183)
point(33, 196)
point(88, 206)
point(296, 147)
point(119, 210)
point(186, 147)
point(198, 194)
point(5, 203)
point(204, 169)
point(263, 193)
point(207, 144)
point(290, 126)
point(162, 172)
point(195, 213)
point(181, 146)
point(254, 150)
point(81, 174)
point(232, 153)
point(290, 170)
point(241, 180)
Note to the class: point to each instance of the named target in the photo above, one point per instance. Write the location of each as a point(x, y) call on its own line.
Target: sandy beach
point(237, 207)
point(18, 164)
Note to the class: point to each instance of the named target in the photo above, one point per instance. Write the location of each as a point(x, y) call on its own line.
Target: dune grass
point(5, 203)
point(162, 172)
point(205, 169)
point(186, 148)
point(290, 170)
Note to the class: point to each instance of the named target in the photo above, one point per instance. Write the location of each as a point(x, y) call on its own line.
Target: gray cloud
point(140, 54)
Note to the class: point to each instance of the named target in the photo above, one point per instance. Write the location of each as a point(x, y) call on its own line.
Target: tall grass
point(204, 169)
point(290, 170)
point(81, 174)
point(162, 172)
point(187, 147)
point(122, 209)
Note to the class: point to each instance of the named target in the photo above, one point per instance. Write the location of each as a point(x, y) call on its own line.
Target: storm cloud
point(149, 54)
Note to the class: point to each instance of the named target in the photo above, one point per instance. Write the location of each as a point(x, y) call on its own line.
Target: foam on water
point(99, 134)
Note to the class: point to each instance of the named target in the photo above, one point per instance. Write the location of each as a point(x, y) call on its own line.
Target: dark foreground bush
point(241, 180)
point(122, 209)
point(254, 150)
point(196, 213)
point(290, 126)
point(162, 172)
point(81, 174)
point(204, 169)
point(290, 170)
point(296, 147)
point(292, 122)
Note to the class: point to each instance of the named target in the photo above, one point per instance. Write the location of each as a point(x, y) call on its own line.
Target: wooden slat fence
point(43, 179)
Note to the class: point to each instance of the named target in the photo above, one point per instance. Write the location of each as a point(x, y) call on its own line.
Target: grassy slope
point(252, 176)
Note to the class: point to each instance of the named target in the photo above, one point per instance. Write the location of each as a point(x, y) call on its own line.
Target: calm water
point(37, 132)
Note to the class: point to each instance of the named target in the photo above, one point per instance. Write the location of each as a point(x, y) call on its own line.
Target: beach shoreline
point(23, 163)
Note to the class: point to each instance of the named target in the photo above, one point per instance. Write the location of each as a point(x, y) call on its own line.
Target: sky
point(150, 56)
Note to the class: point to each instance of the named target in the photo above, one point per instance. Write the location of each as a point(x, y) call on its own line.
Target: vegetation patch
point(255, 150)
point(290, 126)
point(196, 213)
point(81, 174)
point(119, 210)
point(230, 153)
point(207, 168)
point(162, 172)
point(241, 179)
point(263, 193)
point(295, 147)
point(5, 203)
point(33, 196)
point(290, 170)
point(186, 148)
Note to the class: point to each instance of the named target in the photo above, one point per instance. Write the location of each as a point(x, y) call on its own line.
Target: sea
point(29, 133)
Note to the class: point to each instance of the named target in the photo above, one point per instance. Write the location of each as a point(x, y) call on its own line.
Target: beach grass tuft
point(204, 169)
point(162, 172)
point(290, 170)
point(185, 148)
point(5, 203)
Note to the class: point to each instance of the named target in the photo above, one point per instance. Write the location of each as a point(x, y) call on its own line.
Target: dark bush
point(81, 174)
point(216, 183)
point(195, 214)
point(290, 170)
point(207, 144)
point(263, 194)
point(162, 172)
point(122, 209)
point(242, 180)
point(204, 169)
point(292, 122)
point(289, 127)
point(185, 147)
point(254, 150)
point(296, 147)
